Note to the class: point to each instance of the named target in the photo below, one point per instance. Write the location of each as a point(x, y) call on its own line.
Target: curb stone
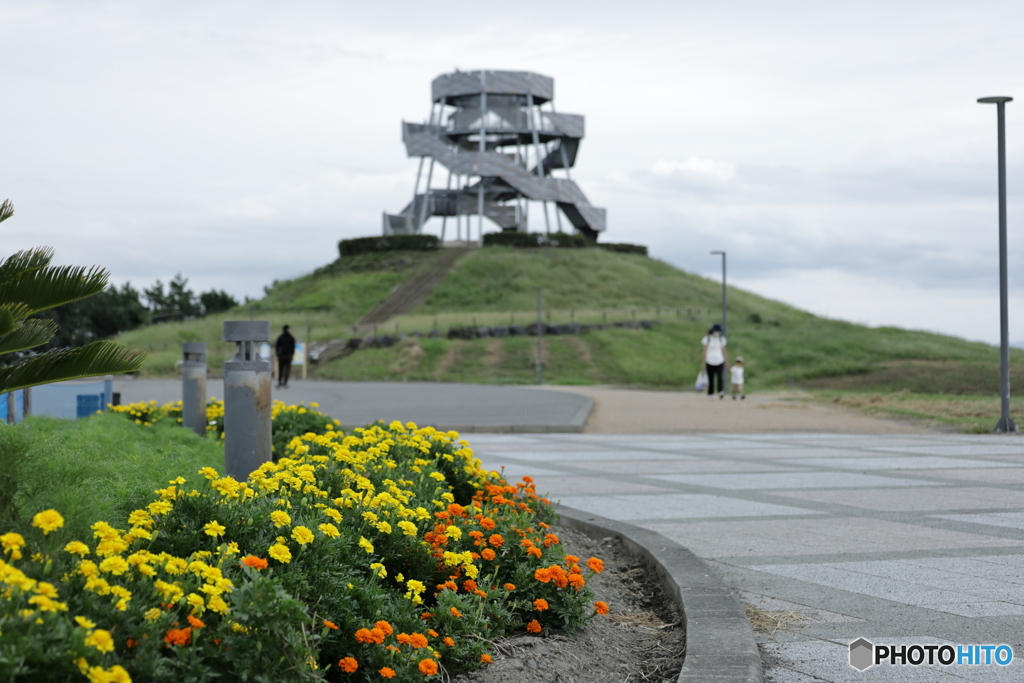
point(720, 644)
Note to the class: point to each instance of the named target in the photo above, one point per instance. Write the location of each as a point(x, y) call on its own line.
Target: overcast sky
point(835, 150)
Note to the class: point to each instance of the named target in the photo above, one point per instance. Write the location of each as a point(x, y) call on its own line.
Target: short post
point(193, 387)
point(247, 429)
point(26, 402)
point(540, 336)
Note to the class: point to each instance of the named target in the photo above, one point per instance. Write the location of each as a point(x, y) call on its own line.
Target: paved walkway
point(897, 539)
point(463, 407)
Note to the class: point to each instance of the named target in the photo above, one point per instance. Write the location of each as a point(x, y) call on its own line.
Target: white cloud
point(707, 168)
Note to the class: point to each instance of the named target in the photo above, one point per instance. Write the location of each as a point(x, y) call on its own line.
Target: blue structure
point(69, 400)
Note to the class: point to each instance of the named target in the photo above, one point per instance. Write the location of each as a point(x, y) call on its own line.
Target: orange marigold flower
point(577, 581)
point(497, 540)
point(330, 624)
point(601, 607)
point(596, 565)
point(131, 642)
point(455, 611)
point(196, 623)
point(469, 585)
point(365, 635)
point(385, 627)
point(426, 615)
point(486, 659)
point(178, 636)
point(533, 551)
point(533, 626)
point(488, 554)
point(418, 640)
point(427, 667)
point(348, 664)
point(449, 642)
point(432, 633)
point(480, 593)
point(571, 559)
point(455, 509)
point(476, 534)
point(487, 523)
point(526, 543)
point(540, 604)
point(403, 638)
point(550, 540)
point(377, 634)
point(543, 575)
point(387, 672)
point(441, 515)
point(528, 480)
point(254, 562)
point(510, 586)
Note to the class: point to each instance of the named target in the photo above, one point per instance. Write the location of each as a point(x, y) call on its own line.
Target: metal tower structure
point(500, 145)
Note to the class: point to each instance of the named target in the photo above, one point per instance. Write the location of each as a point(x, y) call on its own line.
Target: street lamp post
point(1005, 423)
point(725, 308)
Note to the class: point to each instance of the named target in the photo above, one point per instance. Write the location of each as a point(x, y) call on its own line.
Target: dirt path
point(629, 411)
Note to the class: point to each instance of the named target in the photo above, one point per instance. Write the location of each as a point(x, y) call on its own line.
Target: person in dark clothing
point(285, 349)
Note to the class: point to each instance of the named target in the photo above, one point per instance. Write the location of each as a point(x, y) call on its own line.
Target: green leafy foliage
point(366, 245)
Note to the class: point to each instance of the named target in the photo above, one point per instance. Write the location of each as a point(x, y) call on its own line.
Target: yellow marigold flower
point(453, 532)
point(214, 528)
point(437, 475)
point(383, 527)
point(365, 545)
point(302, 535)
point(379, 568)
point(101, 640)
point(48, 520)
point(216, 603)
point(209, 473)
point(176, 566)
point(280, 518)
point(280, 552)
point(13, 543)
point(196, 602)
point(115, 565)
point(333, 514)
point(329, 530)
point(137, 532)
point(407, 527)
point(140, 518)
point(77, 548)
point(159, 507)
point(84, 623)
point(152, 614)
point(47, 589)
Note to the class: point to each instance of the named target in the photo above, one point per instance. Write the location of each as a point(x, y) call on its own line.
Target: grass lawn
point(972, 414)
point(99, 468)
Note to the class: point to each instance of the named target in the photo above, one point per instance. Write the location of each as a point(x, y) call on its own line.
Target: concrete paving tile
point(977, 609)
point(923, 498)
point(558, 487)
point(1002, 475)
point(875, 586)
point(690, 466)
point(543, 455)
point(974, 567)
point(792, 480)
point(863, 463)
point(1011, 520)
point(798, 536)
point(813, 614)
point(677, 506)
point(828, 661)
point(959, 449)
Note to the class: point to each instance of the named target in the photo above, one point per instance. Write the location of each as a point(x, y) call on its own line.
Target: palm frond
point(31, 333)
point(53, 286)
point(12, 315)
point(97, 358)
point(6, 210)
point(22, 261)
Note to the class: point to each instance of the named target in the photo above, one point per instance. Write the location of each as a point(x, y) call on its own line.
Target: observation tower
point(499, 137)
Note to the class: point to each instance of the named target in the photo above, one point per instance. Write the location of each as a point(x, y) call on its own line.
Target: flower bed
point(388, 553)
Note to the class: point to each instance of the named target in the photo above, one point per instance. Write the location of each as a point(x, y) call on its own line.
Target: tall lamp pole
point(1005, 423)
point(725, 308)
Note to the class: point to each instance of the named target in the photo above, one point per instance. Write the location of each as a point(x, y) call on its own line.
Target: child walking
point(736, 378)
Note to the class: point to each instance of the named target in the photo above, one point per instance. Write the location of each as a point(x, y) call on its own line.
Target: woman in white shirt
point(716, 359)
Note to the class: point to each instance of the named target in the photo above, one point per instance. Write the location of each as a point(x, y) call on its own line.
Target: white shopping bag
point(702, 380)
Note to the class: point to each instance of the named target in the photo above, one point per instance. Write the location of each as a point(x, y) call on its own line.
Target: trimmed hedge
point(369, 245)
point(624, 248)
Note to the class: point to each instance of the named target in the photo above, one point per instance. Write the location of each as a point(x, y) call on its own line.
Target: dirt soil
point(641, 638)
point(633, 411)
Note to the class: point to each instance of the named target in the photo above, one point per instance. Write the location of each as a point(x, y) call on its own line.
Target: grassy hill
point(783, 345)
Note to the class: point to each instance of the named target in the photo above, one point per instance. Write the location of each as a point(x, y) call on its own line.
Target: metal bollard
point(193, 387)
point(247, 429)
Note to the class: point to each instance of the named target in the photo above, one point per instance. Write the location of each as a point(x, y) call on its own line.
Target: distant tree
point(29, 285)
point(216, 301)
point(102, 316)
point(178, 302)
